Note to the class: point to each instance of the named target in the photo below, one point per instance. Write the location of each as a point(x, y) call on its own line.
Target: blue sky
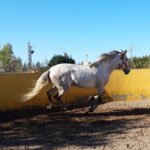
point(77, 27)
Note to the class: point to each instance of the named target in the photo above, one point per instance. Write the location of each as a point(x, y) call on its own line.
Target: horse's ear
point(121, 52)
point(125, 51)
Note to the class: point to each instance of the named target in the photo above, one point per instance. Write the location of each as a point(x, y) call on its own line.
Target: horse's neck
point(109, 66)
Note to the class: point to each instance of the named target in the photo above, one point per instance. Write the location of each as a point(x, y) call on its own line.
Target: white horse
point(95, 75)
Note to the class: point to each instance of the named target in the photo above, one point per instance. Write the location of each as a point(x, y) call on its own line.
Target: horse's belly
point(84, 78)
point(86, 83)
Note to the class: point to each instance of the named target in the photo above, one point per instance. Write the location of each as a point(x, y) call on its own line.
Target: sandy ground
point(113, 126)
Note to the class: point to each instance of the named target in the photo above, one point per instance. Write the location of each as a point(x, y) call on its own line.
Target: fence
point(134, 86)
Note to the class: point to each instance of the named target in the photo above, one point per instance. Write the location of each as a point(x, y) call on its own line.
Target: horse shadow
point(43, 130)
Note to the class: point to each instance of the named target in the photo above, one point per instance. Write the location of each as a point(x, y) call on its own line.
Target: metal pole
point(149, 61)
point(29, 56)
point(86, 57)
point(131, 52)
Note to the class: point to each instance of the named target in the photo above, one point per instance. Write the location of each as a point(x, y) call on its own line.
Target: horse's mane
point(104, 57)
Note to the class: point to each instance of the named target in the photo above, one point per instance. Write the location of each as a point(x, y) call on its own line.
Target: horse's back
point(73, 74)
point(64, 68)
point(60, 71)
point(61, 68)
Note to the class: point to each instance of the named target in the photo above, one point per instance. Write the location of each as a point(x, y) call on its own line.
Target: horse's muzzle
point(126, 71)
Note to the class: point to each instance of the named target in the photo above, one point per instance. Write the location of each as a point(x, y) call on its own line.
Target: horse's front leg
point(97, 99)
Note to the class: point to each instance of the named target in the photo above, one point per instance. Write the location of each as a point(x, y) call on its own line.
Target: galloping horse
point(95, 75)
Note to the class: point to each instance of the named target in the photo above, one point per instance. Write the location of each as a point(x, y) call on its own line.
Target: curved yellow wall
point(135, 86)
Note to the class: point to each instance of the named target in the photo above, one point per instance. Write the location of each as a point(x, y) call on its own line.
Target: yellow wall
point(135, 86)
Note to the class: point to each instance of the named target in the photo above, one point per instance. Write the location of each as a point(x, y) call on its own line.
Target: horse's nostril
point(127, 71)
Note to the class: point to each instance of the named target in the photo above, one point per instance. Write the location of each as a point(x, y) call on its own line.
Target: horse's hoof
point(91, 109)
point(87, 113)
point(64, 109)
point(91, 98)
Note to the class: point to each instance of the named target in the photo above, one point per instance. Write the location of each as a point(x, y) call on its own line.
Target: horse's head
point(124, 62)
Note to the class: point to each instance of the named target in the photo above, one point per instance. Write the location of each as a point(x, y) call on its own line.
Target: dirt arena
point(113, 126)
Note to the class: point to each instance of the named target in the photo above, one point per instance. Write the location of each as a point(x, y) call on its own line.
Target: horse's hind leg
point(59, 95)
point(49, 94)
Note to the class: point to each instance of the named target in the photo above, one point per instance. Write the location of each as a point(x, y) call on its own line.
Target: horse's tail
point(43, 80)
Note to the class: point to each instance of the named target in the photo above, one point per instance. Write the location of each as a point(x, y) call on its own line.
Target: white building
point(86, 63)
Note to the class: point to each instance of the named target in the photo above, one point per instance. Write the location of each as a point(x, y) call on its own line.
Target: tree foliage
point(16, 64)
point(38, 65)
point(24, 67)
point(140, 62)
point(6, 54)
point(10, 63)
point(58, 59)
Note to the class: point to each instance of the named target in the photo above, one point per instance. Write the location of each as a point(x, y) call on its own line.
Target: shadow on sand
point(57, 130)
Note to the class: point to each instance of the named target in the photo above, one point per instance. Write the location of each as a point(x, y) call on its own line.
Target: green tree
point(16, 64)
point(58, 59)
point(38, 65)
point(25, 67)
point(141, 62)
point(6, 55)
point(8, 60)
